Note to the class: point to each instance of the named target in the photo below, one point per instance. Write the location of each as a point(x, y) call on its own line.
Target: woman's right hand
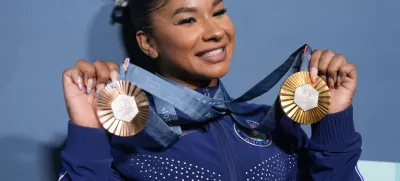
point(82, 84)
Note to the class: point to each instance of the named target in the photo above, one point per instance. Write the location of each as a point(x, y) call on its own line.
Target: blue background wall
point(39, 39)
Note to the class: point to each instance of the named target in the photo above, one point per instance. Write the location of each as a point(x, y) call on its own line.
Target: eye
point(220, 12)
point(186, 21)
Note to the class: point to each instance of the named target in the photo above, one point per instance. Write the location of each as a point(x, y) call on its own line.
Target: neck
point(182, 77)
point(192, 83)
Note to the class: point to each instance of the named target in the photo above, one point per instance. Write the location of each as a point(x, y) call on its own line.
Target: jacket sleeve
point(87, 156)
point(332, 152)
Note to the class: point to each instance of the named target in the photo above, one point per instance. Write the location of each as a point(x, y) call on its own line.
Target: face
point(193, 40)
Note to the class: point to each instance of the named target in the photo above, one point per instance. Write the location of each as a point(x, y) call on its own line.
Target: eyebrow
point(216, 2)
point(193, 9)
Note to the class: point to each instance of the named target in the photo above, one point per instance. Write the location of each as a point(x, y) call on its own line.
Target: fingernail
point(114, 84)
point(114, 78)
point(80, 86)
point(89, 85)
point(126, 64)
point(331, 83)
point(99, 88)
point(314, 73)
point(126, 61)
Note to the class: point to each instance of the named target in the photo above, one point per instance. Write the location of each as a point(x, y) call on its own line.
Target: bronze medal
point(123, 110)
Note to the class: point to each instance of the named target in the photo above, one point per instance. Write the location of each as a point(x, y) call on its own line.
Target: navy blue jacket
point(219, 150)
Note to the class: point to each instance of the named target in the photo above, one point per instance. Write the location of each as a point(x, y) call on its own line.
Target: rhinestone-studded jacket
point(220, 151)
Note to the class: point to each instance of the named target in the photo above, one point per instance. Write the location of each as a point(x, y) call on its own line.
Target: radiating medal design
point(303, 101)
point(123, 110)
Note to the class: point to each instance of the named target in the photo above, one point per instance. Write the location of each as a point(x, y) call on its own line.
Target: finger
point(91, 83)
point(125, 64)
point(88, 72)
point(99, 88)
point(348, 70)
point(124, 68)
point(331, 83)
point(113, 68)
point(332, 71)
point(102, 72)
point(324, 78)
point(324, 61)
point(102, 76)
point(338, 80)
point(75, 75)
point(315, 55)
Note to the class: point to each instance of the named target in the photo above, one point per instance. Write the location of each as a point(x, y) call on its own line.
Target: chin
point(215, 72)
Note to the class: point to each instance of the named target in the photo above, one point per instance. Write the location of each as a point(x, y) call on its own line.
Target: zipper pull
point(206, 93)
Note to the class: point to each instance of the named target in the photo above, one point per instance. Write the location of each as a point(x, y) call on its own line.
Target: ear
point(146, 44)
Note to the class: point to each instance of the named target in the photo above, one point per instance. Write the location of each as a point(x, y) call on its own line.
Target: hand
point(81, 86)
point(340, 76)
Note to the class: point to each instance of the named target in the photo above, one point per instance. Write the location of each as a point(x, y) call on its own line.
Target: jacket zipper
point(228, 153)
point(227, 150)
point(205, 92)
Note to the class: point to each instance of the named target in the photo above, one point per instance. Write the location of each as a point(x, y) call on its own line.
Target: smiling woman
point(192, 43)
point(193, 40)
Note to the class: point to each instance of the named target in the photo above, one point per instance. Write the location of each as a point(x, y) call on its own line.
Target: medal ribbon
point(163, 124)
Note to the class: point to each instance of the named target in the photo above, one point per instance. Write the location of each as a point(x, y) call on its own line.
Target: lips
point(214, 55)
point(211, 51)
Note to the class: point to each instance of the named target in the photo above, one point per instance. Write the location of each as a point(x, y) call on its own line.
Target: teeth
point(214, 52)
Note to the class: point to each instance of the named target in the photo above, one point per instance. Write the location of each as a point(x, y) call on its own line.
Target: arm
point(332, 152)
point(87, 156)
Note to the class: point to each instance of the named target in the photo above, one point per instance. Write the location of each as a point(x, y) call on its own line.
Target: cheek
point(229, 28)
point(180, 40)
point(177, 47)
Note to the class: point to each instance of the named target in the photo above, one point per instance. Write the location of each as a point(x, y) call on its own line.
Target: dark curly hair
point(137, 12)
point(133, 17)
point(141, 10)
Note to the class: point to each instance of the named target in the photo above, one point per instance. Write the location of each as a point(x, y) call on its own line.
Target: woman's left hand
point(340, 75)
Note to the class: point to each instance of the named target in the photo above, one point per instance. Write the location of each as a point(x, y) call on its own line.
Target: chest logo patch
point(261, 140)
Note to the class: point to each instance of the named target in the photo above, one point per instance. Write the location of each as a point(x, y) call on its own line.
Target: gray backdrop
point(39, 39)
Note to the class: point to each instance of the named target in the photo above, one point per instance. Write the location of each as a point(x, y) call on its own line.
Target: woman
point(192, 43)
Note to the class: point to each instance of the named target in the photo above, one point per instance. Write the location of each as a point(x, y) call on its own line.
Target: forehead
point(174, 4)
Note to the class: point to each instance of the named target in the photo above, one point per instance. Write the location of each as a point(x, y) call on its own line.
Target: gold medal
point(303, 101)
point(123, 110)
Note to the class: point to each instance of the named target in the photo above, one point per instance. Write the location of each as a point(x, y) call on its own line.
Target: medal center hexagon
point(306, 97)
point(124, 108)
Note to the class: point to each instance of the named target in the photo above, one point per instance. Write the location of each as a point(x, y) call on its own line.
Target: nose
point(212, 31)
